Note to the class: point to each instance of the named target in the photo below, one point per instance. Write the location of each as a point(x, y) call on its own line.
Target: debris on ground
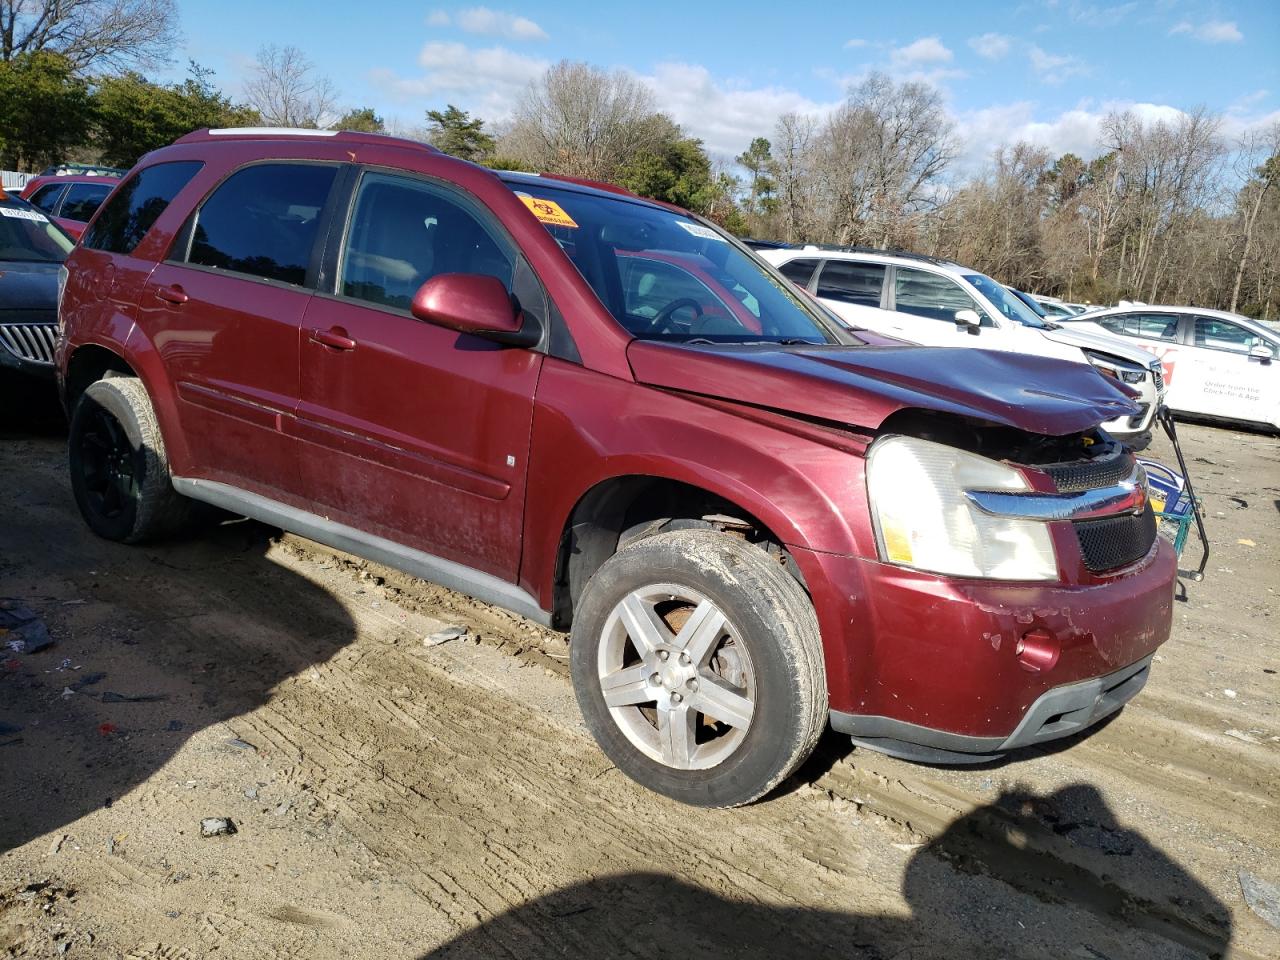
point(1241, 735)
point(444, 636)
point(1263, 898)
point(217, 827)
point(110, 697)
point(240, 744)
point(21, 629)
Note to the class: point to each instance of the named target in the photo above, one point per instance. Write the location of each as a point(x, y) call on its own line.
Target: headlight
point(1115, 369)
point(924, 520)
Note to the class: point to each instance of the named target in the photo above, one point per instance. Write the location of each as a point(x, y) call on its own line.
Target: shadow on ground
point(655, 915)
point(141, 659)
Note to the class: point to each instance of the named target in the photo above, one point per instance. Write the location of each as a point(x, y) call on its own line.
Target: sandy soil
point(396, 800)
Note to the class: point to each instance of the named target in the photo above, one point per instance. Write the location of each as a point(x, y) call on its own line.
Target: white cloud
point(1055, 68)
point(926, 50)
point(1211, 31)
point(991, 46)
point(493, 23)
point(724, 116)
point(855, 43)
point(1093, 15)
point(486, 81)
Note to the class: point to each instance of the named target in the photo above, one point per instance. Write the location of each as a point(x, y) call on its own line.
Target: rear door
point(1160, 334)
point(230, 300)
point(413, 432)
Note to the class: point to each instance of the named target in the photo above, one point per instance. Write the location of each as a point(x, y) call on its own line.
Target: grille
point(30, 341)
point(1114, 542)
point(1157, 377)
point(1091, 474)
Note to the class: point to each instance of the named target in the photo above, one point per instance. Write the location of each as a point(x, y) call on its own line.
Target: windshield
point(1004, 301)
point(28, 235)
point(665, 276)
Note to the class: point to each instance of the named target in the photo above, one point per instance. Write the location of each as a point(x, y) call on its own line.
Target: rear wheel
point(698, 666)
point(119, 472)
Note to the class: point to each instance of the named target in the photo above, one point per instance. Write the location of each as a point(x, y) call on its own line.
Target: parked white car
point(1216, 364)
point(924, 300)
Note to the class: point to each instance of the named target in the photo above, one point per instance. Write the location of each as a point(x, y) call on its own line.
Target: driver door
point(413, 432)
point(926, 304)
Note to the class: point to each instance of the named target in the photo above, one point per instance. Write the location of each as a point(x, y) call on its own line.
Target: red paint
point(434, 437)
point(74, 227)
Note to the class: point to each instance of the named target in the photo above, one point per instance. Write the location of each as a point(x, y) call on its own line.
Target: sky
point(1046, 71)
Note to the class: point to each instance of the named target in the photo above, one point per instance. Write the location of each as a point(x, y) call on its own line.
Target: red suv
point(70, 199)
point(535, 391)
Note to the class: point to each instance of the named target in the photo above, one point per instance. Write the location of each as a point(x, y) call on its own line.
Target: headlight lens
point(924, 520)
point(1116, 370)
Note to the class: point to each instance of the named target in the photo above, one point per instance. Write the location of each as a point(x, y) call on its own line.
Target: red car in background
point(70, 200)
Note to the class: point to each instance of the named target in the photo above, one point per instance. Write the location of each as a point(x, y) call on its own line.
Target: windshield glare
point(1004, 301)
point(28, 235)
point(666, 276)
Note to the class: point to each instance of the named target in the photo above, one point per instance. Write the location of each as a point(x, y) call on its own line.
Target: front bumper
point(972, 666)
point(1139, 425)
point(1058, 712)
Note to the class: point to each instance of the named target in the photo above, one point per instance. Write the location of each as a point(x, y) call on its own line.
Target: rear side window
point(799, 272)
point(83, 199)
point(263, 220)
point(137, 205)
point(47, 196)
point(1150, 326)
point(848, 282)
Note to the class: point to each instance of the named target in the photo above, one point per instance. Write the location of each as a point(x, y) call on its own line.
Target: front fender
point(589, 428)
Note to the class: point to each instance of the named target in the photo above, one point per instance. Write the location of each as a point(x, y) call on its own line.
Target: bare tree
point(580, 120)
point(792, 169)
point(286, 90)
point(1260, 179)
point(882, 154)
point(104, 35)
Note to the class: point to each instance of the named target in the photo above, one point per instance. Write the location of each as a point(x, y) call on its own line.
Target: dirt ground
point(392, 799)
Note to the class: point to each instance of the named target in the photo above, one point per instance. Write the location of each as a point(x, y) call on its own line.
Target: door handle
point(336, 338)
point(174, 294)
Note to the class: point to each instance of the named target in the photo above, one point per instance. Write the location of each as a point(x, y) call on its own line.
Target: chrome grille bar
point(33, 342)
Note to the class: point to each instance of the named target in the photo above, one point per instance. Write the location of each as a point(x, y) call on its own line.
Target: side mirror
point(477, 304)
point(1260, 351)
point(969, 320)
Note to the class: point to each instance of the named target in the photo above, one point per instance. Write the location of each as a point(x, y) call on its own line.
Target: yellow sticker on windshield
point(548, 211)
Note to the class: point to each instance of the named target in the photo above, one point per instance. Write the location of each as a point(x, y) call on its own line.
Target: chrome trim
point(1127, 496)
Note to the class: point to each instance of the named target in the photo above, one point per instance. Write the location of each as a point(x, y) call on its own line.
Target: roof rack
point(905, 254)
point(206, 134)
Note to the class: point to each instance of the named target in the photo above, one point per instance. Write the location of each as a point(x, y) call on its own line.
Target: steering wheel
point(663, 316)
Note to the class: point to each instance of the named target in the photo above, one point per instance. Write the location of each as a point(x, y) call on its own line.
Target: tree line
point(1164, 211)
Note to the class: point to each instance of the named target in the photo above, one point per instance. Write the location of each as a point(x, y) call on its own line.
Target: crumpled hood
point(28, 286)
point(862, 386)
point(1102, 342)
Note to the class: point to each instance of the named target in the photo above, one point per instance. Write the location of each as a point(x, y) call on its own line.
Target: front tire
point(698, 667)
point(119, 472)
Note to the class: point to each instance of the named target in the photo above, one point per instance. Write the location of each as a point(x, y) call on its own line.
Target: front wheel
point(698, 667)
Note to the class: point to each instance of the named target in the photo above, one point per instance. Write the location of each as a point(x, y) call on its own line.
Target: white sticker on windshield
point(13, 214)
point(698, 230)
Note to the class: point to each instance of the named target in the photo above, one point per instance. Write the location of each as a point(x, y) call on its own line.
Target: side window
point(263, 220)
point(137, 205)
point(47, 196)
point(1150, 326)
point(799, 272)
point(848, 282)
point(929, 295)
point(404, 232)
point(83, 199)
point(1216, 334)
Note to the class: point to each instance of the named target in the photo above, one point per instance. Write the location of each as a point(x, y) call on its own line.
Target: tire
point(711, 655)
point(119, 472)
